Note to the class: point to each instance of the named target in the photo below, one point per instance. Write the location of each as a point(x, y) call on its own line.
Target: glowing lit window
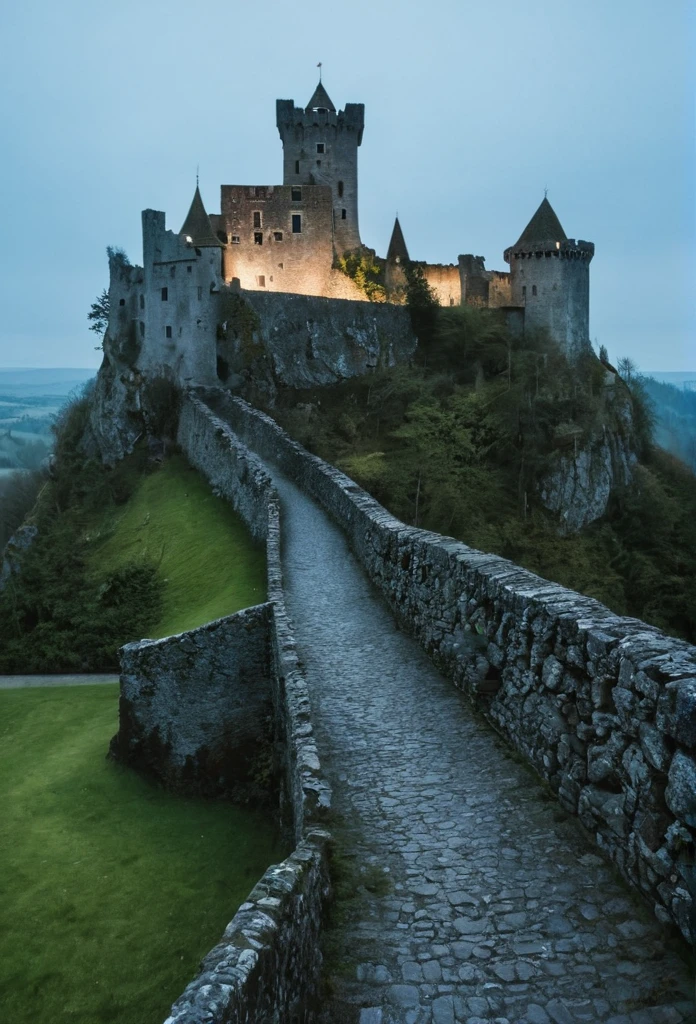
point(320, 147)
point(296, 195)
point(344, 214)
point(257, 219)
point(235, 239)
point(165, 294)
point(296, 223)
point(258, 238)
point(261, 279)
point(278, 236)
point(168, 331)
point(340, 190)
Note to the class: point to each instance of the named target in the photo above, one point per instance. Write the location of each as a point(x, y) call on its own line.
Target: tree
point(99, 313)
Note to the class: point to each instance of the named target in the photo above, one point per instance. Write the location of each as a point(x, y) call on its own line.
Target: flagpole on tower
point(319, 66)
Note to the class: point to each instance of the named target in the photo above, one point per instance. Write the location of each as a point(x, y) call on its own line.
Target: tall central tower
point(320, 147)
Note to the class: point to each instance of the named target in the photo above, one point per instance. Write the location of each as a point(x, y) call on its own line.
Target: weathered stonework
point(602, 706)
point(267, 966)
point(302, 341)
point(195, 708)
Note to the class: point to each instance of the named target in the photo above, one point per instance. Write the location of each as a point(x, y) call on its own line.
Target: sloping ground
point(203, 549)
point(111, 890)
point(465, 893)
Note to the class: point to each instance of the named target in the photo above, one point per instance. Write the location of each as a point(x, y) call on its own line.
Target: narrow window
point(344, 214)
point(142, 302)
point(165, 294)
point(257, 219)
point(235, 239)
point(278, 236)
point(280, 266)
point(296, 195)
point(534, 291)
point(189, 269)
point(524, 290)
point(318, 163)
point(121, 302)
point(297, 167)
point(340, 190)
point(320, 147)
point(296, 223)
point(168, 331)
point(261, 280)
point(172, 271)
point(258, 238)
point(200, 291)
point(142, 329)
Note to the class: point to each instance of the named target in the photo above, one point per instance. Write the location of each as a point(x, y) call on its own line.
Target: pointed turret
point(397, 251)
point(320, 100)
point(197, 225)
point(543, 227)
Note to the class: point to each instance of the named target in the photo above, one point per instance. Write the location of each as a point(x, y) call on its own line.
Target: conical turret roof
point(197, 225)
point(397, 246)
point(321, 98)
point(543, 227)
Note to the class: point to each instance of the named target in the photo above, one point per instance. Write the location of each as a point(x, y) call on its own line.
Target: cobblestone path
point(465, 892)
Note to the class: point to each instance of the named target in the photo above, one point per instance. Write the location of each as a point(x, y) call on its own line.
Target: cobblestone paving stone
point(474, 897)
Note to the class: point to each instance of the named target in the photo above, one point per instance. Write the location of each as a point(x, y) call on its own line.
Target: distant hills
point(33, 383)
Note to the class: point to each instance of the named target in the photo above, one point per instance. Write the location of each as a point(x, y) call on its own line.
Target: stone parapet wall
point(194, 708)
point(267, 966)
point(604, 707)
point(237, 474)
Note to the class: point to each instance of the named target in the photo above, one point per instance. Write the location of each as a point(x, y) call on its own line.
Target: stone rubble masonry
point(603, 707)
point(208, 692)
point(193, 707)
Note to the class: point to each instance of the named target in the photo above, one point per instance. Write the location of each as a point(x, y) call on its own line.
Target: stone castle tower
point(550, 279)
point(320, 147)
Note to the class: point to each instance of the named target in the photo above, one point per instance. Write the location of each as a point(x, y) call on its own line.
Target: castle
point(288, 238)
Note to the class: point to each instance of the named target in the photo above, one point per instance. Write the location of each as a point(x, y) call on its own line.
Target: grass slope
point(111, 890)
point(203, 548)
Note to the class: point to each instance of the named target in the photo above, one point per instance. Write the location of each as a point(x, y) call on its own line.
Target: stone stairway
point(465, 894)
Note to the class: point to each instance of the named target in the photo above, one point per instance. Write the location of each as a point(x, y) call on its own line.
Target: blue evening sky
point(471, 110)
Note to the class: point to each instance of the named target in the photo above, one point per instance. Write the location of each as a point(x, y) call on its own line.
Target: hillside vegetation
point(460, 441)
point(137, 550)
point(111, 889)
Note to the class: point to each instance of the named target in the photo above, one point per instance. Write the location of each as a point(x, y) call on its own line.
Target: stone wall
point(267, 966)
point(207, 693)
point(306, 341)
point(195, 708)
point(603, 707)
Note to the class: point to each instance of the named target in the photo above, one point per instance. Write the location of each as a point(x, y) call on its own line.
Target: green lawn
point(211, 565)
point(111, 890)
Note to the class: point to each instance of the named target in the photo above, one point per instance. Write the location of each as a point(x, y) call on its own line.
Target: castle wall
point(177, 308)
point(553, 285)
point(309, 341)
point(481, 287)
point(193, 708)
point(603, 707)
point(267, 964)
point(499, 289)
point(303, 133)
point(445, 282)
